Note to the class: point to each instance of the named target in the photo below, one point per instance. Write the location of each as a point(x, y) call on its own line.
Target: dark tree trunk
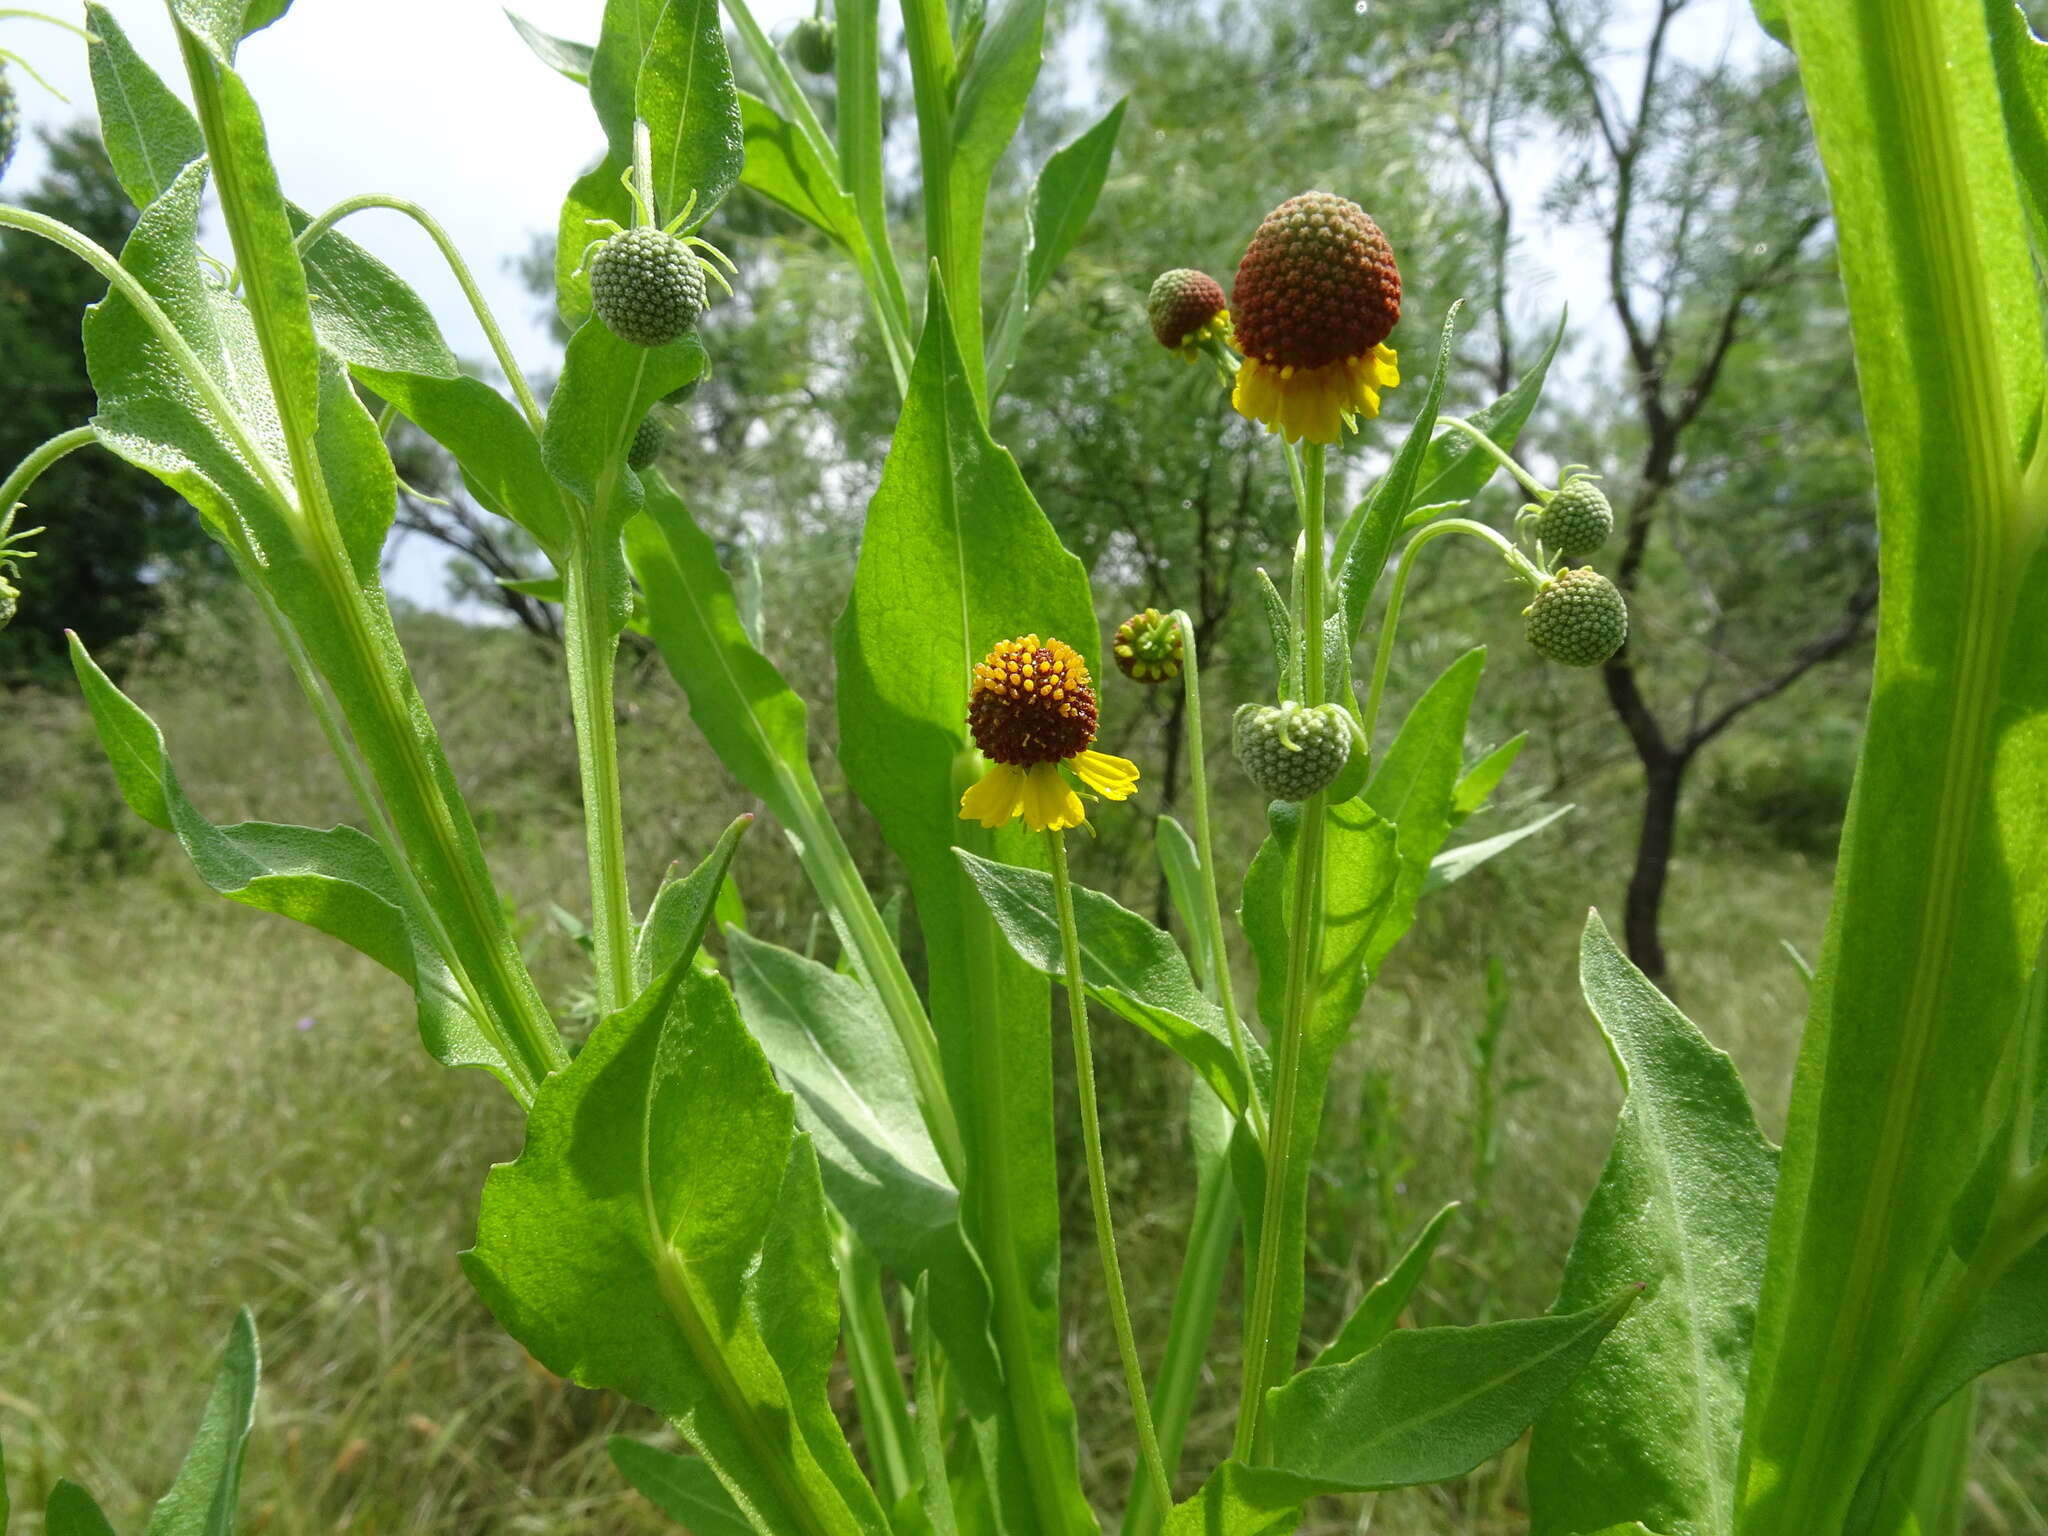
point(1662, 779)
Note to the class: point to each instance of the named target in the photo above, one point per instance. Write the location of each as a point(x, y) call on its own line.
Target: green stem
point(14, 14)
point(1098, 1180)
point(1266, 1355)
point(871, 1362)
point(1212, 906)
point(1530, 483)
point(643, 175)
point(311, 235)
point(1195, 1300)
point(31, 469)
point(592, 646)
point(1383, 654)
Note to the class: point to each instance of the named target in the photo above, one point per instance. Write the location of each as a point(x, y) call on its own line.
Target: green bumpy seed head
point(646, 286)
point(1182, 305)
point(10, 601)
point(1577, 521)
point(1288, 751)
point(1147, 647)
point(1577, 619)
point(815, 42)
point(10, 121)
point(649, 438)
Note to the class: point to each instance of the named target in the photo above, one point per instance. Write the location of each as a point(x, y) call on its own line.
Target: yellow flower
point(1032, 709)
point(1315, 403)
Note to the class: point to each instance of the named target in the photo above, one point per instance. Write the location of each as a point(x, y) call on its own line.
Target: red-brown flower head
point(1182, 306)
point(1317, 285)
point(1032, 703)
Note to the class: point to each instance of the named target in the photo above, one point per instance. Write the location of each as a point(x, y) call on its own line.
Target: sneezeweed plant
point(757, 1160)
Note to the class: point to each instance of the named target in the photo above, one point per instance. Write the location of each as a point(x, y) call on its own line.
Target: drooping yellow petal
point(1050, 804)
point(1315, 403)
point(1112, 777)
point(995, 797)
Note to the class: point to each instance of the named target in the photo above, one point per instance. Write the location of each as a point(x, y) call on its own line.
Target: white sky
point(440, 102)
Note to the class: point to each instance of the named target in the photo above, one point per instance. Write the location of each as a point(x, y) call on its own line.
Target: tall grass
point(201, 1107)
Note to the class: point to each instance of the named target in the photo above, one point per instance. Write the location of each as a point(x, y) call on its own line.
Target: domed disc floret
point(1577, 619)
point(1317, 285)
point(1577, 520)
point(646, 286)
point(1290, 751)
point(1031, 703)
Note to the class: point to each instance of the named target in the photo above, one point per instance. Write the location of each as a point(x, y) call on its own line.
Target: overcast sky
point(440, 102)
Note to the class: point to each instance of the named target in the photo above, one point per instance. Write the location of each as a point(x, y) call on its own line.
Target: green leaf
point(338, 880)
point(2021, 60)
point(684, 93)
point(1455, 468)
point(1061, 200)
point(1415, 784)
point(828, 1040)
point(1368, 533)
point(682, 910)
point(955, 556)
point(1127, 965)
point(1484, 776)
point(607, 388)
point(629, 1248)
point(1456, 863)
point(1238, 1500)
point(1650, 1430)
point(559, 54)
point(202, 1497)
point(682, 1487)
point(1430, 1404)
point(1942, 885)
point(150, 134)
point(71, 1512)
point(366, 314)
point(783, 167)
point(485, 434)
point(1181, 863)
point(1381, 1309)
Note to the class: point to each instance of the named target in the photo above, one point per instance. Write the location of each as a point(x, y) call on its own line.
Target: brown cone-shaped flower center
point(1317, 285)
point(1031, 703)
point(1181, 303)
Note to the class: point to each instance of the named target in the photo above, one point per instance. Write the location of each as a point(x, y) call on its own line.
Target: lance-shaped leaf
point(1369, 532)
point(1456, 863)
point(1455, 468)
point(2021, 59)
point(685, 95)
point(956, 555)
point(663, 1234)
point(71, 1512)
point(1061, 200)
point(1415, 782)
point(150, 134)
point(1424, 1406)
point(570, 59)
point(682, 910)
point(201, 1501)
point(1127, 965)
point(1650, 1430)
point(338, 880)
point(783, 166)
point(1377, 1314)
point(607, 388)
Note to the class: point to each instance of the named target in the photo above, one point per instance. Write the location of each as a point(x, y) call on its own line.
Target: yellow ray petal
point(1112, 777)
point(1050, 805)
point(995, 797)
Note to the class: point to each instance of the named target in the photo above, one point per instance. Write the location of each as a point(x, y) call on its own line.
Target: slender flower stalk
point(1212, 914)
point(1098, 1180)
point(1263, 1352)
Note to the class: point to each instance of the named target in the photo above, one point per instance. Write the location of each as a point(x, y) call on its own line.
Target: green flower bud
point(649, 438)
point(815, 42)
point(1288, 751)
point(646, 286)
point(1147, 647)
point(1577, 520)
point(1577, 619)
point(10, 121)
